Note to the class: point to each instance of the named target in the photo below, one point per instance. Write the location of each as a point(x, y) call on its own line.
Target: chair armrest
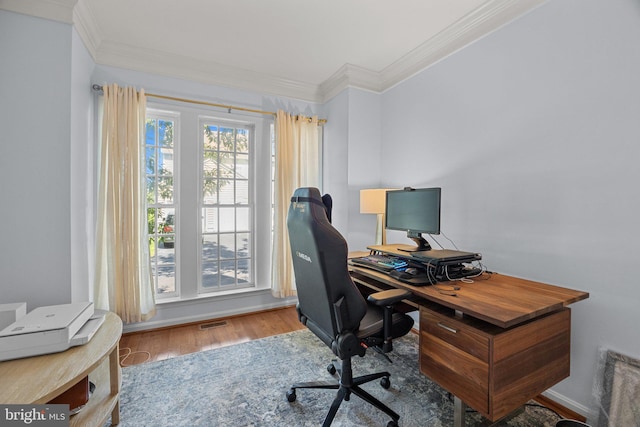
point(387, 298)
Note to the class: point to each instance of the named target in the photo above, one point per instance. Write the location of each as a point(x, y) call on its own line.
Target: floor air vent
point(213, 325)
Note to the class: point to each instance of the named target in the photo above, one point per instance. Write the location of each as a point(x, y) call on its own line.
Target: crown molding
point(492, 15)
point(55, 10)
point(200, 70)
point(87, 27)
point(484, 20)
point(349, 75)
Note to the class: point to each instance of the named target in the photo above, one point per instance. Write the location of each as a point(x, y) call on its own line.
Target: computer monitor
point(415, 211)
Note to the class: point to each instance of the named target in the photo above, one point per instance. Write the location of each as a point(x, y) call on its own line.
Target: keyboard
point(379, 262)
point(396, 267)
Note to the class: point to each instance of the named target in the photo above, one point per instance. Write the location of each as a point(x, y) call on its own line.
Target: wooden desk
point(37, 380)
point(499, 342)
point(501, 300)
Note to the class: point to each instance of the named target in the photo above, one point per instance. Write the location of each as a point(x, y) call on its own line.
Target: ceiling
point(296, 48)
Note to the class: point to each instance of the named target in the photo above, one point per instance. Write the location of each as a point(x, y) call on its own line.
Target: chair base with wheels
point(346, 385)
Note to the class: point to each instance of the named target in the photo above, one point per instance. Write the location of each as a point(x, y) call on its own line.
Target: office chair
point(331, 306)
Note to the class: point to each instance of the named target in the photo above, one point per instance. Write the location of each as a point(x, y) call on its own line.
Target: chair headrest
point(328, 204)
point(312, 195)
point(307, 194)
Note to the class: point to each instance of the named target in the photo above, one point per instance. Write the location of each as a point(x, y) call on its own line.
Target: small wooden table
point(39, 379)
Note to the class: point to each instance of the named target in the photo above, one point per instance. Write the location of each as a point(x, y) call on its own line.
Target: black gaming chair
point(331, 306)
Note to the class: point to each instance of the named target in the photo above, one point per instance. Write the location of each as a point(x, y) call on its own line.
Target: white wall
point(533, 134)
point(353, 161)
point(35, 249)
point(81, 172)
point(364, 167)
point(336, 159)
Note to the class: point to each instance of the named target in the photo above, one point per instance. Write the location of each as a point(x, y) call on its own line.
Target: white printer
point(50, 329)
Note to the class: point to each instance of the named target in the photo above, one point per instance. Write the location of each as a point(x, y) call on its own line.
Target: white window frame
point(159, 114)
point(250, 126)
point(187, 189)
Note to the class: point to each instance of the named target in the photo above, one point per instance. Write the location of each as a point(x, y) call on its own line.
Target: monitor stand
point(422, 243)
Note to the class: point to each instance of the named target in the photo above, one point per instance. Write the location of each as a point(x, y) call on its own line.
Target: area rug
point(245, 385)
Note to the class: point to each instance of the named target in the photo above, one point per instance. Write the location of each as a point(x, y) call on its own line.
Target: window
point(226, 205)
point(161, 207)
point(209, 201)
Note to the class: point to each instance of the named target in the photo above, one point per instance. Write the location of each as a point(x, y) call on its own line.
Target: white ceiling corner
point(479, 22)
point(57, 10)
point(350, 75)
point(87, 27)
point(199, 70)
point(472, 27)
point(373, 52)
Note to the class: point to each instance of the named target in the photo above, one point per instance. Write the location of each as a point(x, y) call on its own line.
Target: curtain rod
point(98, 88)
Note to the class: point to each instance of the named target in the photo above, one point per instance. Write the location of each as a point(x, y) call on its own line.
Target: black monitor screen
point(414, 211)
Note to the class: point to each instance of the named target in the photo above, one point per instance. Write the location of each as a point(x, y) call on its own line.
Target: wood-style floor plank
point(165, 343)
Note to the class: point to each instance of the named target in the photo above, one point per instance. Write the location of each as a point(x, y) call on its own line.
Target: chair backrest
point(320, 265)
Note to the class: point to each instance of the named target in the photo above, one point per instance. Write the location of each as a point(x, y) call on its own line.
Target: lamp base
point(381, 233)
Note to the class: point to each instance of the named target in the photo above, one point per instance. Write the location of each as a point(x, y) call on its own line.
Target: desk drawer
point(456, 333)
point(465, 376)
point(456, 356)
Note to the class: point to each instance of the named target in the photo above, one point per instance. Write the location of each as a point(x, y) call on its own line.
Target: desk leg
point(459, 412)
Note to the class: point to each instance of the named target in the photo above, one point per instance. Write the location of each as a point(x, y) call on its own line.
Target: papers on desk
point(50, 329)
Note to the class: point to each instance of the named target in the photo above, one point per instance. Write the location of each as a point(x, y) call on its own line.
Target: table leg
point(114, 381)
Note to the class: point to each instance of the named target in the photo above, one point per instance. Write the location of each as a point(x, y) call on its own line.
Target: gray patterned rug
point(245, 385)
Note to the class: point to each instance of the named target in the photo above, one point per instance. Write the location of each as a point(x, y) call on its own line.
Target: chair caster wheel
point(392, 424)
point(385, 383)
point(291, 395)
point(331, 369)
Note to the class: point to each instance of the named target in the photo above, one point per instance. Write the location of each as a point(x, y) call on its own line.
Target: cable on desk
point(466, 279)
point(452, 242)
point(481, 266)
point(434, 239)
point(431, 275)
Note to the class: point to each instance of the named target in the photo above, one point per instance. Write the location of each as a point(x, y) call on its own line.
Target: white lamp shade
point(372, 200)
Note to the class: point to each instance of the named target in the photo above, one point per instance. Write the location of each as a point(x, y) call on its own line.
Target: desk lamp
point(372, 201)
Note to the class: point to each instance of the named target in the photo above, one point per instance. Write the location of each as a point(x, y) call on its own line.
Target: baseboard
point(567, 408)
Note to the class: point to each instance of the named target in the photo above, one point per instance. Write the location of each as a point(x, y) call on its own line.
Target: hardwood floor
point(159, 344)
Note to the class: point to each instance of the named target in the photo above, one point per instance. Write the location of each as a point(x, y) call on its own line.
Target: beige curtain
point(123, 282)
point(297, 165)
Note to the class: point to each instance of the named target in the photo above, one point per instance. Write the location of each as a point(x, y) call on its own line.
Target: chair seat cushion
point(371, 323)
